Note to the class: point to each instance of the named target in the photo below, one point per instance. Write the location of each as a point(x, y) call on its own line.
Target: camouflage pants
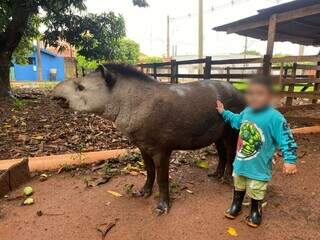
point(254, 188)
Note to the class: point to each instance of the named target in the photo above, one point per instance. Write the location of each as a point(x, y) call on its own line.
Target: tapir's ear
point(108, 76)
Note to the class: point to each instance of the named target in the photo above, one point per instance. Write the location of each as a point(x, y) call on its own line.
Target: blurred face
point(258, 96)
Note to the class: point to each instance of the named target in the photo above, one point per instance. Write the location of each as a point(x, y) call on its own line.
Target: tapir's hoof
point(162, 208)
point(144, 192)
point(216, 174)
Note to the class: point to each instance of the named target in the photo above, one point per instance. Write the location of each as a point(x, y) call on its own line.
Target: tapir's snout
point(64, 103)
point(87, 94)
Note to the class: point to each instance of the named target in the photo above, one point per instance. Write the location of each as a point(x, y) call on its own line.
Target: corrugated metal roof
point(304, 30)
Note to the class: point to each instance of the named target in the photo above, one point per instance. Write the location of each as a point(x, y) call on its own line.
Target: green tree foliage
point(82, 62)
point(95, 36)
point(150, 59)
point(16, 24)
point(128, 51)
point(61, 20)
point(23, 50)
point(25, 46)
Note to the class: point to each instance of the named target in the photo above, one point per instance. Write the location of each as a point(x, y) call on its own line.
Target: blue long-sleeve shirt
point(261, 132)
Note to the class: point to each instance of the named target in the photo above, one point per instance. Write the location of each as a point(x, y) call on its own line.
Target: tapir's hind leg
point(146, 190)
point(222, 153)
point(231, 139)
point(226, 147)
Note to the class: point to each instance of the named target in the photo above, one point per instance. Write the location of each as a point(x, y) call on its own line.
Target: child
point(262, 129)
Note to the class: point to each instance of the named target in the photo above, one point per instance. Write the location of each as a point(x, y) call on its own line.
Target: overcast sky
point(147, 26)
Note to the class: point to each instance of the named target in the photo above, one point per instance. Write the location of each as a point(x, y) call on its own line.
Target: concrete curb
point(306, 130)
point(54, 162)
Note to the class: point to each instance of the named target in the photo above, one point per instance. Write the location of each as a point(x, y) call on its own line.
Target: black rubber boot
point(255, 217)
point(236, 205)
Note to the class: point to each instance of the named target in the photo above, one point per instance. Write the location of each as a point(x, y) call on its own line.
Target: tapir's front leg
point(146, 190)
point(161, 161)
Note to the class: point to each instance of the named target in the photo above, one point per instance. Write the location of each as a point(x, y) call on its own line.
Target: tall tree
point(16, 23)
point(95, 36)
point(16, 18)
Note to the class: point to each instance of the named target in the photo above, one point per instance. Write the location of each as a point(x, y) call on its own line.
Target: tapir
point(158, 117)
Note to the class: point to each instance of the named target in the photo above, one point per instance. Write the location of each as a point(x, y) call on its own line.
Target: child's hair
point(265, 81)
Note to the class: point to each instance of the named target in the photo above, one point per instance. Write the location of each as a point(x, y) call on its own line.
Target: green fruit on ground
point(28, 191)
point(28, 201)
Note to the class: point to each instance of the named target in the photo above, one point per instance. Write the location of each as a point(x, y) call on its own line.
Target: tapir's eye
point(80, 87)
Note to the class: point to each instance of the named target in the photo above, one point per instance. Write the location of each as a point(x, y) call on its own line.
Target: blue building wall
point(29, 72)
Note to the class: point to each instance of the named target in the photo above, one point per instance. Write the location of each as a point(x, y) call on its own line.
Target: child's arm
point(283, 137)
point(228, 116)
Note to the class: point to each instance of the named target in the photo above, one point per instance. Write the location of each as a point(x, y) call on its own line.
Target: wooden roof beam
point(281, 17)
point(305, 24)
point(297, 37)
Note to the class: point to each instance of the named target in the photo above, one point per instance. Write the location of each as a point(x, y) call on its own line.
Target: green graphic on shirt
point(250, 140)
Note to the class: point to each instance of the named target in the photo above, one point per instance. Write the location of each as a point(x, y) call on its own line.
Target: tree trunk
point(5, 89)
point(10, 38)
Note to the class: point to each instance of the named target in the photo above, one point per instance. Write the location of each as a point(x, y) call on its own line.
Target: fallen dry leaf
point(202, 164)
point(116, 194)
point(232, 232)
point(134, 173)
point(104, 228)
point(38, 137)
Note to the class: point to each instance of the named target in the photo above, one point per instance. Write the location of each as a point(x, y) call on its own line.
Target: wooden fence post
point(266, 65)
point(155, 71)
point(316, 85)
point(228, 74)
point(281, 74)
point(174, 71)
point(272, 27)
point(207, 68)
point(83, 71)
point(291, 86)
point(285, 76)
point(77, 70)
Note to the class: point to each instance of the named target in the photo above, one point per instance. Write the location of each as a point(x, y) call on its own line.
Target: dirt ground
point(292, 211)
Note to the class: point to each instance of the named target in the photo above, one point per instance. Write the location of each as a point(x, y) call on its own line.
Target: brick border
point(15, 176)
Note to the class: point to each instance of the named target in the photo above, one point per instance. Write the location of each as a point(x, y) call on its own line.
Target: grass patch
point(44, 85)
point(19, 104)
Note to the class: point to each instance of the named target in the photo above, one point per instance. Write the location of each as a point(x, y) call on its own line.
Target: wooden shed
point(297, 22)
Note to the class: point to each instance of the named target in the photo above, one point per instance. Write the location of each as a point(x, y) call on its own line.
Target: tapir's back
point(184, 116)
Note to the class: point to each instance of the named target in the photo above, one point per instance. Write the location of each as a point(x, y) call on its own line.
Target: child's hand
point(289, 169)
point(220, 107)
